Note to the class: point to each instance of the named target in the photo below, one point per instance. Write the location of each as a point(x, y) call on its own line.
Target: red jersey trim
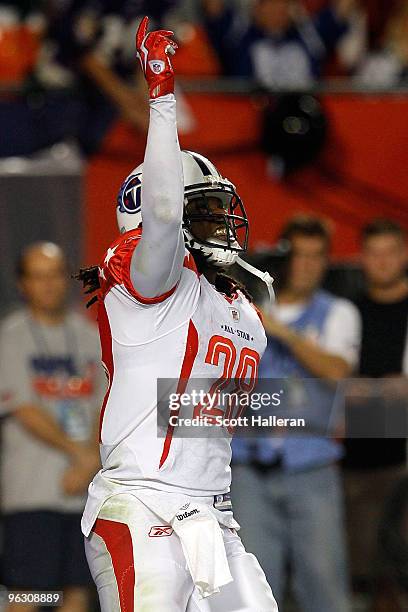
point(107, 356)
point(190, 355)
point(118, 268)
point(118, 542)
point(230, 299)
point(190, 264)
point(130, 288)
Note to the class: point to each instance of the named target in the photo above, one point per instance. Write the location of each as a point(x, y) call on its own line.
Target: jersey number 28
point(222, 350)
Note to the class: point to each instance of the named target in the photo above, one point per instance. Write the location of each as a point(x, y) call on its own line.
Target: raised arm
point(158, 260)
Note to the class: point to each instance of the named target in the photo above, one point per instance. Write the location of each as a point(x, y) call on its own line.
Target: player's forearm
point(42, 426)
point(158, 260)
point(162, 190)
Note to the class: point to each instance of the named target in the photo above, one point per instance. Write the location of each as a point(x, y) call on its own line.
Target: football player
point(159, 529)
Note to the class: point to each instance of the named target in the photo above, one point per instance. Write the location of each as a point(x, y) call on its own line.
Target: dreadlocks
point(228, 285)
point(90, 281)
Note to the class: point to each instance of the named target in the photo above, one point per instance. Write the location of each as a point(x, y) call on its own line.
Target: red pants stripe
point(118, 542)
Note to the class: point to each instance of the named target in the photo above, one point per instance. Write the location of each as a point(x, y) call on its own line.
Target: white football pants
point(138, 565)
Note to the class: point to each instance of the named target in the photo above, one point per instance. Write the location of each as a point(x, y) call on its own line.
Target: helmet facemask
point(226, 223)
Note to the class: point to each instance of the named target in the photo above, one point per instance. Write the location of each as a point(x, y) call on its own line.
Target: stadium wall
point(362, 172)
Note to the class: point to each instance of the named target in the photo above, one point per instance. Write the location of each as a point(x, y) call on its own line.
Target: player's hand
point(153, 51)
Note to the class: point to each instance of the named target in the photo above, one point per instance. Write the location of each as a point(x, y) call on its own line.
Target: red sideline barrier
point(363, 171)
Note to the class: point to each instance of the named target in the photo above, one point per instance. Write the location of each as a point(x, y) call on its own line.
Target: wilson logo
point(185, 515)
point(160, 531)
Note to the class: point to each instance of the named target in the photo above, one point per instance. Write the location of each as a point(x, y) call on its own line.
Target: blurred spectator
point(52, 385)
point(292, 482)
point(22, 27)
point(374, 465)
point(83, 79)
point(282, 46)
point(387, 66)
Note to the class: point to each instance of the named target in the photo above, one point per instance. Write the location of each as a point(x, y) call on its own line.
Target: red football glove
point(153, 52)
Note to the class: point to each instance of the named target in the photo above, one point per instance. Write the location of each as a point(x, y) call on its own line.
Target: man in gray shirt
point(53, 385)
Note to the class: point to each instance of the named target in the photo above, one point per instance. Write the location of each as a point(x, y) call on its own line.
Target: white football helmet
point(201, 181)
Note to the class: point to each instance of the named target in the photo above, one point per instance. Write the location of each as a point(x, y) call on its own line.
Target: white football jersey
point(191, 332)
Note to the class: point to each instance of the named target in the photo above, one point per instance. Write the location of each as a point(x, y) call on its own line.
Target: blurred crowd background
point(303, 104)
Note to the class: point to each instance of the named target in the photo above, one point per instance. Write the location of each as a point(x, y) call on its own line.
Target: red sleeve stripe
point(118, 542)
point(190, 355)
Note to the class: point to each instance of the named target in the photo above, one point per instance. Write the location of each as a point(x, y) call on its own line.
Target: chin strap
point(264, 276)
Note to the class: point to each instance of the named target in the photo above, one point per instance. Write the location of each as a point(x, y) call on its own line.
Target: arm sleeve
point(342, 332)
point(158, 260)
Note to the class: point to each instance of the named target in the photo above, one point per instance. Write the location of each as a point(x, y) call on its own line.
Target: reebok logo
point(160, 530)
point(181, 517)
